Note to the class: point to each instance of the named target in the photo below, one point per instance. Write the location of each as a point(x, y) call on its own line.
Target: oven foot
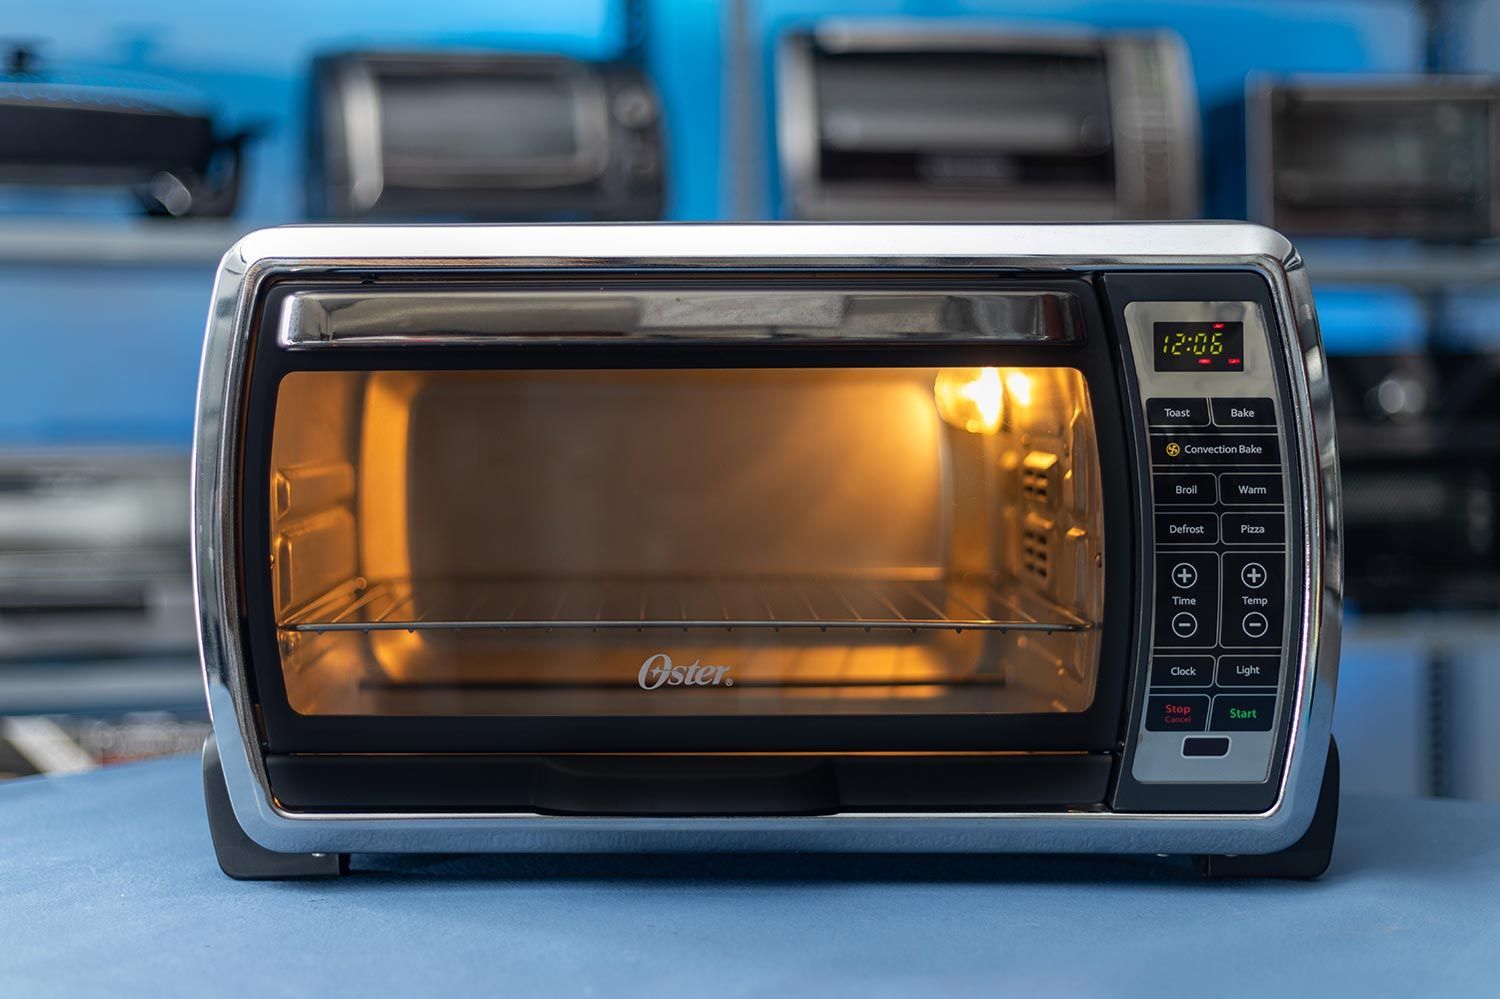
point(241, 857)
point(1307, 858)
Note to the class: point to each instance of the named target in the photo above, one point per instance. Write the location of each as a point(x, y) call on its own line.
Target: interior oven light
point(972, 399)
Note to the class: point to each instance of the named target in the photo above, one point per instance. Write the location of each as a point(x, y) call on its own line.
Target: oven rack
point(852, 602)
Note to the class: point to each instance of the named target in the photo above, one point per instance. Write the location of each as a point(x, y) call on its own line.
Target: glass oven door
point(722, 557)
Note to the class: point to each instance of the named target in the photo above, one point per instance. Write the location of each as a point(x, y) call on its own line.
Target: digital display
point(1199, 346)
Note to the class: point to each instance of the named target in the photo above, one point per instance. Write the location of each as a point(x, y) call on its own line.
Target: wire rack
point(823, 603)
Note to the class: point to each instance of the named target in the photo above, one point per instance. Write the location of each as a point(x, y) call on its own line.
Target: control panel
point(1218, 490)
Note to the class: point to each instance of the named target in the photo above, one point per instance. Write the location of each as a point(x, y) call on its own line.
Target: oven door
point(755, 524)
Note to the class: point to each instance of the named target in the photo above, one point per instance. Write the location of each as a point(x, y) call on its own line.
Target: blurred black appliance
point(1416, 158)
point(92, 554)
point(1419, 440)
point(902, 120)
point(112, 130)
point(482, 137)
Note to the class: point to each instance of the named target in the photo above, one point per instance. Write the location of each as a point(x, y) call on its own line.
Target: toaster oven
point(764, 537)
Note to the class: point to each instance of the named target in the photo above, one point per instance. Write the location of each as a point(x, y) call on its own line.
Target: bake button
point(1251, 529)
point(1176, 713)
point(1246, 671)
point(1182, 671)
point(1243, 713)
point(1205, 745)
point(1177, 412)
point(1184, 490)
point(1186, 528)
point(1251, 488)
point(1244, 413)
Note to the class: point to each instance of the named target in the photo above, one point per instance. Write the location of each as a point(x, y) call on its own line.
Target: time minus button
point(1187, 528)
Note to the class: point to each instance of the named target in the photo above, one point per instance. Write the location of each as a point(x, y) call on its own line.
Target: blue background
point(108, 354)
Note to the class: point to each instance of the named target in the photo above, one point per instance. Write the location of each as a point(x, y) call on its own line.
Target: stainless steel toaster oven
point(764, 537)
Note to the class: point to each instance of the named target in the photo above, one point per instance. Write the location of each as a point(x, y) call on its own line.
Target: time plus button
point(1187, 599)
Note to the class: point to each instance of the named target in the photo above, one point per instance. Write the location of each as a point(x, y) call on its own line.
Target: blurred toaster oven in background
point(904, 120)
point(93, 560)
point(470, 136)
point(1419, 438)
point(1416, 158)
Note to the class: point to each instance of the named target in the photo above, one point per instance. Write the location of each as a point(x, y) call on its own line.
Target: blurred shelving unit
point(145, 242)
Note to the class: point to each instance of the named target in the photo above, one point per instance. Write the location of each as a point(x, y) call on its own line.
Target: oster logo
point(659, 671)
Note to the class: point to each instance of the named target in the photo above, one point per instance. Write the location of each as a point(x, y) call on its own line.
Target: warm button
point(1251, 488)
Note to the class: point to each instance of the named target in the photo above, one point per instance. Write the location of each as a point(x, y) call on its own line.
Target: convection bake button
point(1171, 451)
point(1184, 490)
point(1182, 671)
point(1176, 713)
point(1253, 529)
point(1177, 412)
point(1187, 528)
point(1247, 671)
point(1243, 713)
point(1244, 413)
point(1251, 488)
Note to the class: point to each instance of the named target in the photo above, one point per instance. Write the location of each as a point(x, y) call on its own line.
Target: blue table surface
point(108, 886)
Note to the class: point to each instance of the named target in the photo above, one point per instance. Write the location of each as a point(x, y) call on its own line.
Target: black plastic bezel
point(1119, 289)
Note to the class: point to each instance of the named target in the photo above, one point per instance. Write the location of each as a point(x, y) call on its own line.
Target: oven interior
point(872, 540)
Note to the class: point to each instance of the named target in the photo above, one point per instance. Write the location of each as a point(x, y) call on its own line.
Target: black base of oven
point(243, 859)
point(1305, 859)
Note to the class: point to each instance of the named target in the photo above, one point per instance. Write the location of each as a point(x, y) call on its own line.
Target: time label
point(1207, 346)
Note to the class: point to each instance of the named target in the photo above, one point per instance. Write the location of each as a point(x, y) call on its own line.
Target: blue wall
point(100, 353)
